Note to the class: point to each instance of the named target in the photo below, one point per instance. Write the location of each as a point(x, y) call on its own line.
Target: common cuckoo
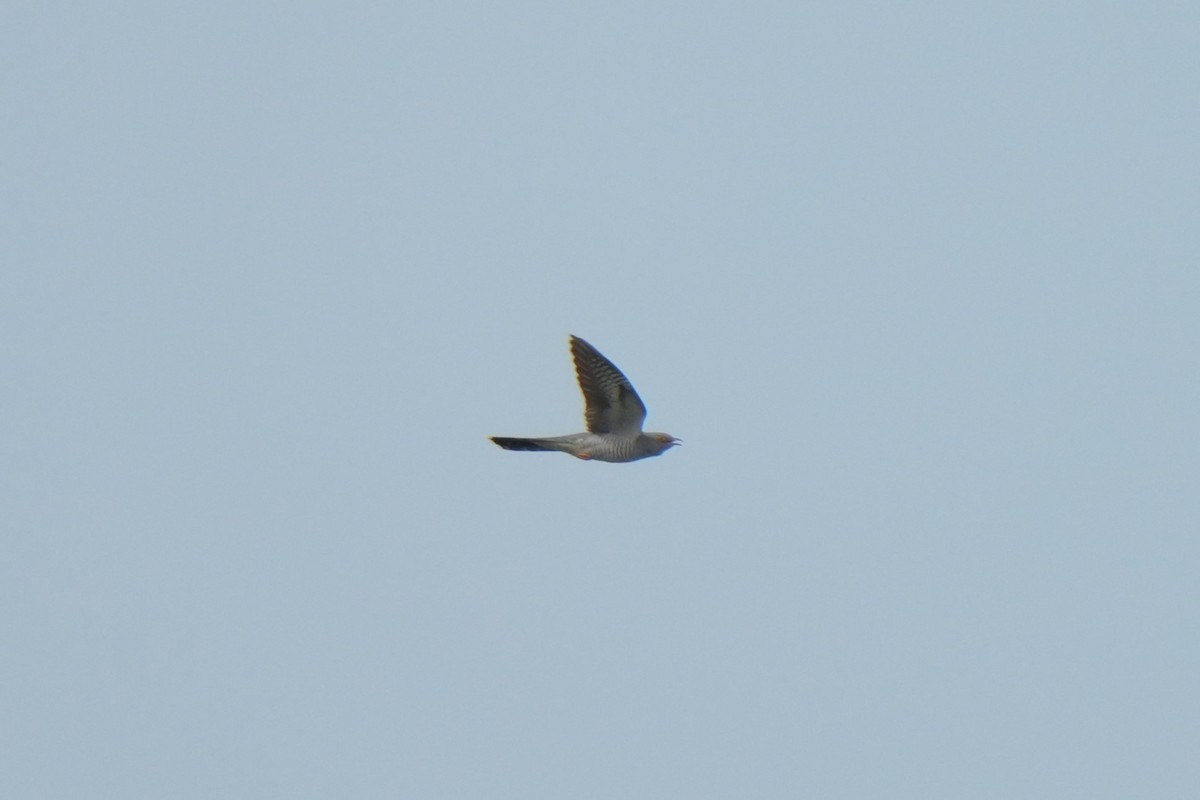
point(614, 415)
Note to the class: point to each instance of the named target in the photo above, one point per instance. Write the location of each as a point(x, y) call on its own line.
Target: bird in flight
point(614, 415)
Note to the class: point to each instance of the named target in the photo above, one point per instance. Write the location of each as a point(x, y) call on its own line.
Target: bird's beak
point(677, 441)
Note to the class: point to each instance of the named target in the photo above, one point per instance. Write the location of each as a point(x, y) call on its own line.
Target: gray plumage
point(613, 411)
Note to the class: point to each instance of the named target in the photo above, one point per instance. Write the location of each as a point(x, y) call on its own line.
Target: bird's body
point(598, 446)
point(614, 415)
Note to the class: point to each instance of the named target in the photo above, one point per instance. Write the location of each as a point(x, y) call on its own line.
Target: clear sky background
point(918, 285)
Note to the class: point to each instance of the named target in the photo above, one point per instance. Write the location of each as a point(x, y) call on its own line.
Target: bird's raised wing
point(610, 403)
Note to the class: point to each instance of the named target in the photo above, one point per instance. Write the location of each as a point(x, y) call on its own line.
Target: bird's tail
point(514, 443)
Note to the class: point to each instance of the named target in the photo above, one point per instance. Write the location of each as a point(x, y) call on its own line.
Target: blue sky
point(917, 286)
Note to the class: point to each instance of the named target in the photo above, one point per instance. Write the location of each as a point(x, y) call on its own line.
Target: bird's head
point(664, 441)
